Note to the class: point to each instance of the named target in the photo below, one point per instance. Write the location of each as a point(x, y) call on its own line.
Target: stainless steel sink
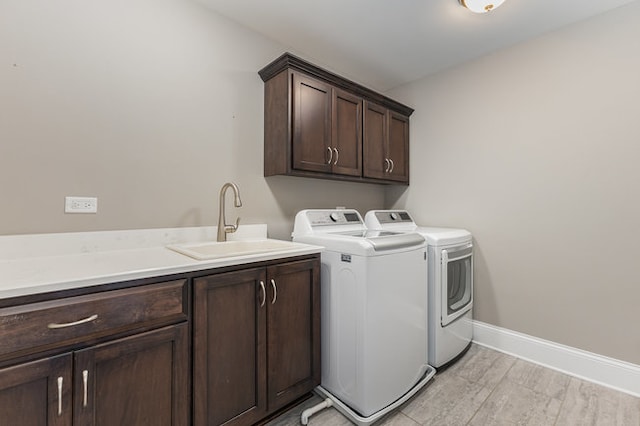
point(216, 250)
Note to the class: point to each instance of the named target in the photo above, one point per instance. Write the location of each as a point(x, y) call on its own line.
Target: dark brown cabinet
point(134, 354)
point(228, 349)
point(37, 393)
point(386, 144)
point(311, 124)
point(346, 155)
point(256, 341)
point(140, 379)
point(326, 128)
point(317, 125)
point(293, 330)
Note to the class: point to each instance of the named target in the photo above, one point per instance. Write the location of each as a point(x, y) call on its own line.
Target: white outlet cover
point(80, 204)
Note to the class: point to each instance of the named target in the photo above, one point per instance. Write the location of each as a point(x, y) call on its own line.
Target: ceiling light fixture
point(481, 6)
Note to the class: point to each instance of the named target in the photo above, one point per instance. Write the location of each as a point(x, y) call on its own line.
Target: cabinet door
point(376, 164)
point(138, 380)
point(346, 133)
point(398, 147)
point(311, 119)
point(294, 330)
point(229, 348)
point(37, 393)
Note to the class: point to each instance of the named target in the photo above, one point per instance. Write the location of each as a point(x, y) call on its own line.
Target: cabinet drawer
point(47, 325)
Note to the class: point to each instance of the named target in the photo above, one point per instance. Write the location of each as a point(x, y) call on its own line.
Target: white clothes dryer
point(373, 312)
point(450, 283)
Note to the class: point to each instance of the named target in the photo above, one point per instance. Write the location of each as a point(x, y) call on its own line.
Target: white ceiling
point(385, 43)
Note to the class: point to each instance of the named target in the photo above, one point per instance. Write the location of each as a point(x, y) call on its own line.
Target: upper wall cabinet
point(326, 128)
point(386, 151)
point(318, 124)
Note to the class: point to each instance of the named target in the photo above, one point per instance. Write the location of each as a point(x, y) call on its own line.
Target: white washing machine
point(450, 282)
point(374, 313)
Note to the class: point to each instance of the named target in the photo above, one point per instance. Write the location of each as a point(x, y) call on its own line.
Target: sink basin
point(214, 250)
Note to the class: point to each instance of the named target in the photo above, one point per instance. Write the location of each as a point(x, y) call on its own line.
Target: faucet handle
point(232, 228)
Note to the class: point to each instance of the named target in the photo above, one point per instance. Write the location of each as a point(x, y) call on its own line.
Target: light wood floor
point(486, 387)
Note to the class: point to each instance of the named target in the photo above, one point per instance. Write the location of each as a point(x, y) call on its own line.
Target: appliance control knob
point(394, 216)
point(334, 217)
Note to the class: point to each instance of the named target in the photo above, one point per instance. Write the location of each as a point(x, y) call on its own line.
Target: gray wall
point(536, 150)
point(150, 106)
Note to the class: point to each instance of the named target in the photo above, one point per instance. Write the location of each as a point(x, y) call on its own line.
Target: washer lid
point(344, 230)
point(364, 242)
point(385, 240)
point(444, 236)
point(401, 221)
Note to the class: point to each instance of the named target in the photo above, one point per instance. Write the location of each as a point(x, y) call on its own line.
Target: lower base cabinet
point(256, 341)
point(227, 348)
point(137, 380)
point(37, 393)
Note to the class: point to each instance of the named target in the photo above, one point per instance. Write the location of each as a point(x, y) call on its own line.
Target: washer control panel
point(395, 216)
point(334, 217)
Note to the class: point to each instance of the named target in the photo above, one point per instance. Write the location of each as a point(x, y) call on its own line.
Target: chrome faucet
point(223, 228)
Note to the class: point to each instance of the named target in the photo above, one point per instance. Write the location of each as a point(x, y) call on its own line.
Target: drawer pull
point(54, 325)
point(85, 385)
point(59, 396)
point(392, 165)
point(330, 155)
point(337, 156)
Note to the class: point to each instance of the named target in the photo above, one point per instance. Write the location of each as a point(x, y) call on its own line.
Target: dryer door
point(457, 282)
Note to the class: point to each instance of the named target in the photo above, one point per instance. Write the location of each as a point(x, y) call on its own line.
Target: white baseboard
point(610, 372)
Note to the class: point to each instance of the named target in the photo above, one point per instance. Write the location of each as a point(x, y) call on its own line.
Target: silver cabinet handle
point(264, 293)
point(330, 155)
point(387, 165)
point(392, 165)
point(54, 325)
point(275, 291)
point(337, 156)
point(85, 387)
point(59, 396)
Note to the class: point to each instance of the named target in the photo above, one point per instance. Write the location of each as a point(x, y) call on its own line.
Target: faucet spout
point(223, 227)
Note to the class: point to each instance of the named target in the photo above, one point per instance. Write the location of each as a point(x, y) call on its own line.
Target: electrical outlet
point(80, 205)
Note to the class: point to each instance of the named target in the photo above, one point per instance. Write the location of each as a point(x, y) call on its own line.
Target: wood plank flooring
point(486, 387)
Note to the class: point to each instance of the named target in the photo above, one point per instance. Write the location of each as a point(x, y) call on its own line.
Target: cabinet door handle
point(392, 165)
point(54, 325)
point(387, 165)
point(264, 293)
point(337, 156)
point(275, 291)
point(60, 396)
point(85, 387)
point(330, 155)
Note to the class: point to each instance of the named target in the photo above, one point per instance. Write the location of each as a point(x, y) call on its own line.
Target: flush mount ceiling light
point(481, 6)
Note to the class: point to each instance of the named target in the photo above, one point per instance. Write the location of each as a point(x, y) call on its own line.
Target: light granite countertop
point(40, 263)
